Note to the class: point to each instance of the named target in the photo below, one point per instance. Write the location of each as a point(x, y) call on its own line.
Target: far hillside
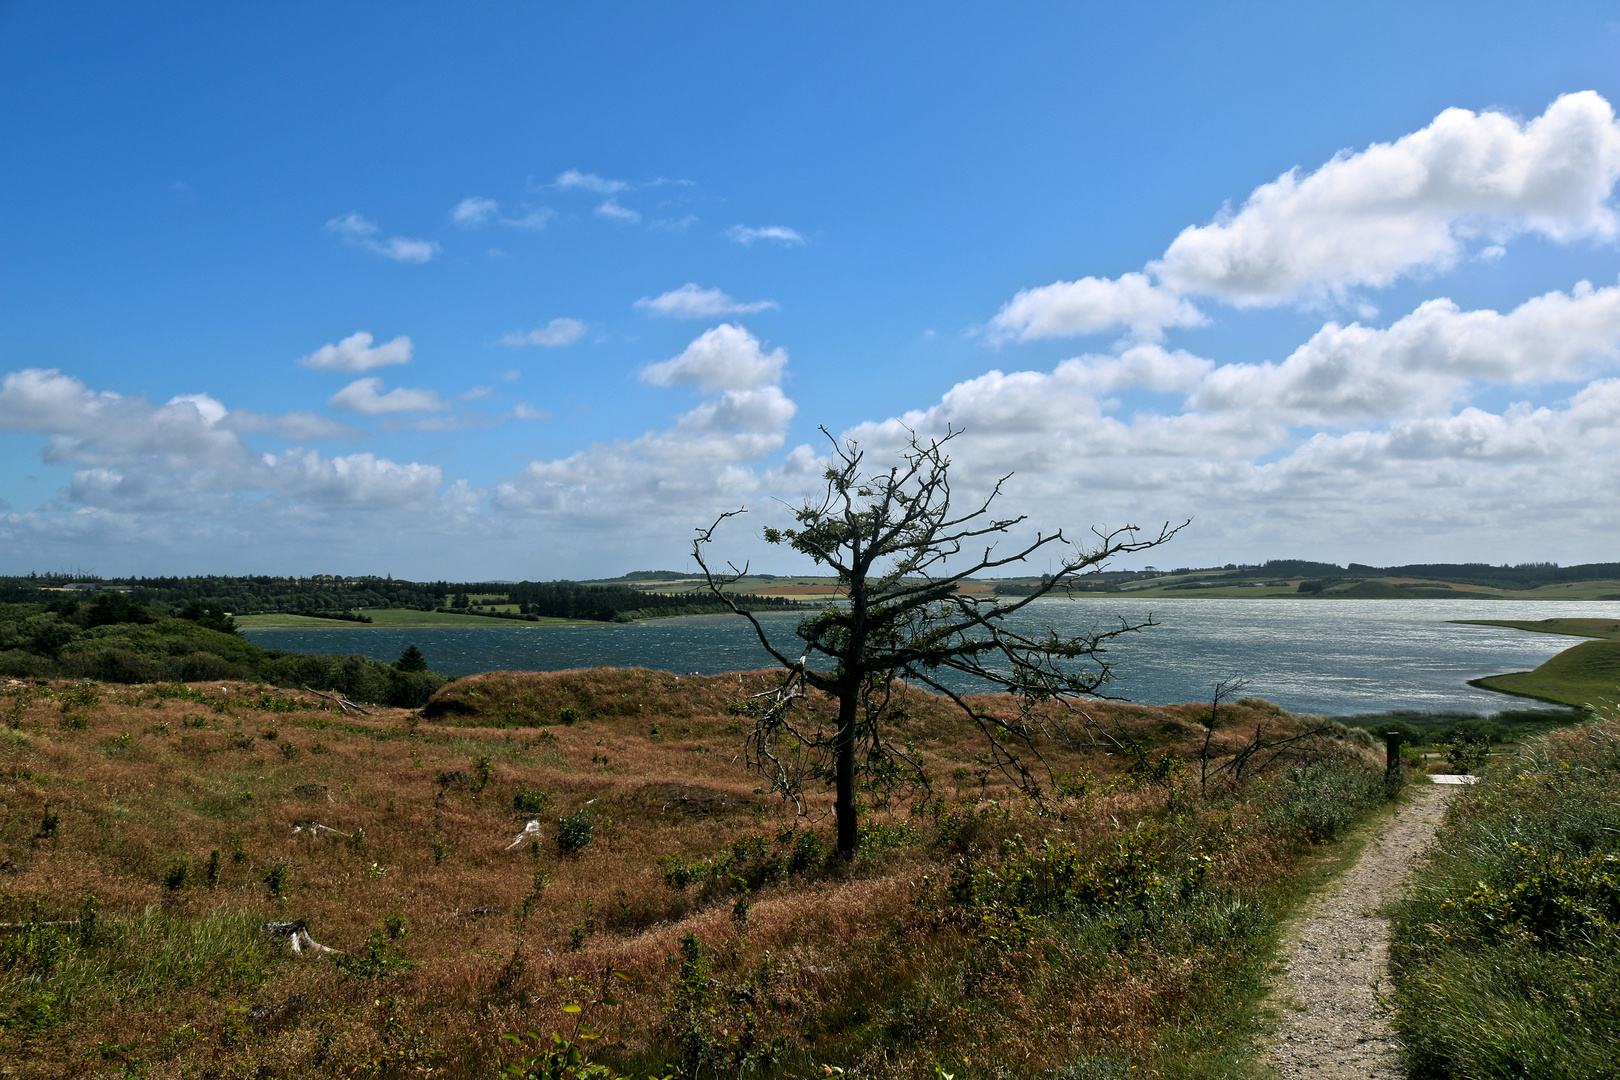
point(1296, 578)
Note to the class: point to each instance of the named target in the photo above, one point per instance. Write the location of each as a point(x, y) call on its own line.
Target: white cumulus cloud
point(1367, 218)
point(727, 357)
point(1362, 220)
point(356, 353)
point(708, 460)
point(1091, 305)
point(693, 302)
point(130, 455)
point(1425, 362)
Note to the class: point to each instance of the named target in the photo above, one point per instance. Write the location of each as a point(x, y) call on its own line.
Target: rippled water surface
point(1337, 657)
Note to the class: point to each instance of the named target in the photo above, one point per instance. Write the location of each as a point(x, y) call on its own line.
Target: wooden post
point(1392, 755)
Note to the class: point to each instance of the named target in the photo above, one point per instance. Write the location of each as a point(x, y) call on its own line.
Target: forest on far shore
point(336, 597)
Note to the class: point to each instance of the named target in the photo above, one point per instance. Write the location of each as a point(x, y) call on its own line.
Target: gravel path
point(1332, 1025)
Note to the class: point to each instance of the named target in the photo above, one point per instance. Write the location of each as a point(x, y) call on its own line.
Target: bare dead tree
point(1218, 692)
point(900, 549)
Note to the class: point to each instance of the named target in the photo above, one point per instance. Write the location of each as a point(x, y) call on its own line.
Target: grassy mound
point(147, 832)
point(1586, 674)
point(1507, 956)
point(529, 699)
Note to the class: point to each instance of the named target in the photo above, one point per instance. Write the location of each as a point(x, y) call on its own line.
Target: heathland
point(588, 853)
point(1119, 927)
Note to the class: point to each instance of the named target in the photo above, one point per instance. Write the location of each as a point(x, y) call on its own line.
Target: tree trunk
point(849, 703)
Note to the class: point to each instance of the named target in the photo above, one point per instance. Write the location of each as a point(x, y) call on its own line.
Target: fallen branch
point(315, 828)
point(342, 702)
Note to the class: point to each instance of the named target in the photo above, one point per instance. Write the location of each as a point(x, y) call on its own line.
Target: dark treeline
point(332, 597)
point(609, 603)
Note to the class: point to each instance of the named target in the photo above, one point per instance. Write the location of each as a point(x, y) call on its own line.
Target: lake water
point(1332, 657)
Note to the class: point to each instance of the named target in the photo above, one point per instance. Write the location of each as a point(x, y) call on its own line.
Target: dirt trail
point(1332, 1025)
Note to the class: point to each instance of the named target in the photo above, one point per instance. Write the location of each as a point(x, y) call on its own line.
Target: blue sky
point(309, 288)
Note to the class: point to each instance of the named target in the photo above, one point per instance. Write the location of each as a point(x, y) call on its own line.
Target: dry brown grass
point(137, 781)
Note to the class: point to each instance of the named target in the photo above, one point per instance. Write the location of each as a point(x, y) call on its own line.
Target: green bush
point(575, 831)
point(383, 953)
point(530, 800)
point(1314, 803)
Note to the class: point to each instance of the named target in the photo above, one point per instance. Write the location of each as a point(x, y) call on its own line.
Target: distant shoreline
point(408, 619)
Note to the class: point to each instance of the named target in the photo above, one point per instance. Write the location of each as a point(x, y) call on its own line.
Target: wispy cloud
point(364, 396)
point(474, 211)
point(748, 235)
point(365, 234)
point(610, 209)
point(679, 224)
point(692, 302)
point(556, 333)
point(471, 213)
point(574, 180)
point(355, 353)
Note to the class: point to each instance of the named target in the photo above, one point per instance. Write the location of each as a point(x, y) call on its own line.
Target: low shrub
point(1313, 803)
point(531, 800)
point(575, 831)
point(383, 954)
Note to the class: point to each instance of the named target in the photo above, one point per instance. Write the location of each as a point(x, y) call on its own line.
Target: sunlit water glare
point(1334, 657)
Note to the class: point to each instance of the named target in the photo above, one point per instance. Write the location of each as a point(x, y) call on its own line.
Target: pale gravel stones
point(1333, 1024)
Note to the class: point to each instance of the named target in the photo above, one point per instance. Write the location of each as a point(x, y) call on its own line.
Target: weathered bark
point(844, 772)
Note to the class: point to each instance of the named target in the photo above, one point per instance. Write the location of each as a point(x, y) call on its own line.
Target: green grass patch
point(1506, 956)
point(67, 968)
point(1587, 674)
